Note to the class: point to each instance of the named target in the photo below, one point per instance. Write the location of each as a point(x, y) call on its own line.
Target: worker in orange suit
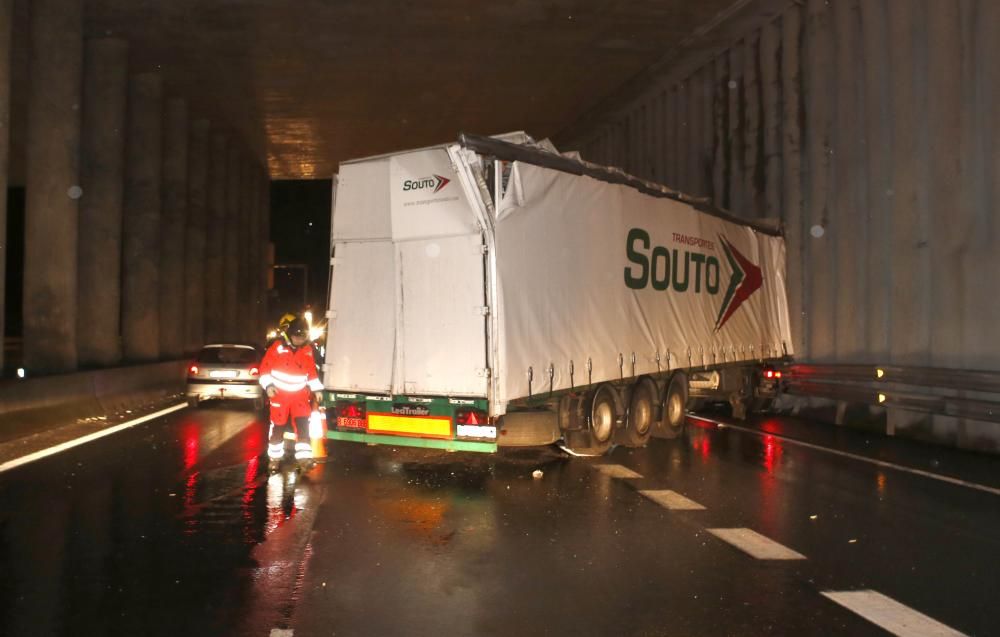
point(288, 375)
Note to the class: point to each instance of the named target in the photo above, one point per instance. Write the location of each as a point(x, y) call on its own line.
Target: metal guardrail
point(931, 390)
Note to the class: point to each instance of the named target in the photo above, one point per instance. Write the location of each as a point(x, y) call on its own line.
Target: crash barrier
point(927, 400)
point(32, 404)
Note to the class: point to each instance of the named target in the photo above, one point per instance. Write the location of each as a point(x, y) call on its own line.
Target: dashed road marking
point(38, 455)
point(617, 471)
point(756, 545)
point(281, 632)
point(854, 456)
point(672, 500)
point(890, 615)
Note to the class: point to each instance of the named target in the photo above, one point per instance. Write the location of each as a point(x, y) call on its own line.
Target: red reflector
point(193, 370)
point(471, 417)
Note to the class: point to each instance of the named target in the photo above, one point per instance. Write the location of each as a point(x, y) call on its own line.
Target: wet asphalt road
point(173, 528)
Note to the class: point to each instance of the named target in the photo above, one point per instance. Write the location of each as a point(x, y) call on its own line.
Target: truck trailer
point(494, 292)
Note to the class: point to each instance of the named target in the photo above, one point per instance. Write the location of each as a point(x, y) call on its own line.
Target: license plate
point(228, 373)
point(351, 423)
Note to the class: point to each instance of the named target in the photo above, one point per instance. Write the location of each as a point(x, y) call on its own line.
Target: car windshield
point(228, 356)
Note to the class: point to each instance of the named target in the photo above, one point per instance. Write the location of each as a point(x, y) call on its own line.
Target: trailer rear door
point(407, 291)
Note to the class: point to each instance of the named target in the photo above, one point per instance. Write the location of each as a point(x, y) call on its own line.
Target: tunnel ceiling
point(313, 82)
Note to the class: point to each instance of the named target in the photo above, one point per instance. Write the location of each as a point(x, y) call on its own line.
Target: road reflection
point(148, 532)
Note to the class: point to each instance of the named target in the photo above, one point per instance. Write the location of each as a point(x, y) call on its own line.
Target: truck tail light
point(351, 411)
point(471, 417)
point(254, 371)
point(193, 370)
point(772, 373)
point(351, 415)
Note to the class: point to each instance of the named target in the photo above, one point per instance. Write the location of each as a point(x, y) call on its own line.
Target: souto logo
point(436, 182)
point(745, 280)
point(690, 271)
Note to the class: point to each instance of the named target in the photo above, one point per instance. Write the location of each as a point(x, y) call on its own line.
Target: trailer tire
point(674, 412)
point(641, 414)
point(604, 417)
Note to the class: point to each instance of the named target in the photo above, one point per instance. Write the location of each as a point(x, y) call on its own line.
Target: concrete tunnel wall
point(843, 117)
point(872, 130)
point(139, 245)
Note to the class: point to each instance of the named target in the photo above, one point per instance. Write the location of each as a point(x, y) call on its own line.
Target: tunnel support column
point(194, 244)
point(172, 236)
point(102, 173)
point(230, 266)
point(52, 185)
point(245, 217)
point(141, 228)
point(267, 256)
point(6, 17)
point(215, 241)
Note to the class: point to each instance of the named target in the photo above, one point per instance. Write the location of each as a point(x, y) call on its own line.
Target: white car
point(225, 371)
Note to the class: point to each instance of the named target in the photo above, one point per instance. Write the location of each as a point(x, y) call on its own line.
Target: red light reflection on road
point(772, 453)
point(190, 433)
point(703, 445)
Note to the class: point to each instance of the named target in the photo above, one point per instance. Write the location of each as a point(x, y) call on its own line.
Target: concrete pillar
point(982, 312)
point(754, 201)
point(693, 150)
point(875, 31)
point(949, 214)
point(257, 258)
point(770, 82)
point(246, 195)
point(215, 244)
point(720, 95)
point(102, 167)
point(657, 133)
point(230, 276)
point(172, 233)
point(194, 244)
point(734, 136)
point(265, 244)
point(683, 138)
point(141, 228)
point(672, 178)
point(52, 185)
point(847, 229)
point(252, 256)
point(910, 330)
point(791, 153)
point(819, 92)
point(6, 17)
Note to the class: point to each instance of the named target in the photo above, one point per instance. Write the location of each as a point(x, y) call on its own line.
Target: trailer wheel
point(641, 414)
point(674, 406)
point(603, 415)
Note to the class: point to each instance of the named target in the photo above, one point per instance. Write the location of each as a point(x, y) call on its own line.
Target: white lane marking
point(617, 471)
point(38, 455)
point(282, 632)
point(756, 545)
point(889, 614)
point(672, 500)
point(854, 456)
